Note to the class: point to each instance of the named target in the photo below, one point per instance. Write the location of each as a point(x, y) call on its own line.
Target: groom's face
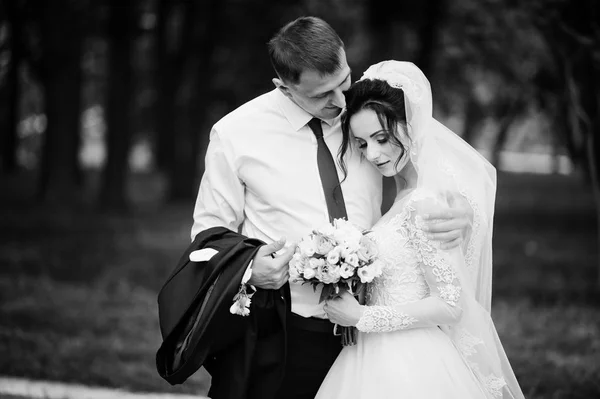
point(322, 96)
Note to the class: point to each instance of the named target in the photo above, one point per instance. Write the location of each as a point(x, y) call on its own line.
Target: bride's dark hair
point(387, 102)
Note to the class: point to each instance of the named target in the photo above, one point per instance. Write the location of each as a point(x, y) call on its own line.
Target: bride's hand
point(345, 310)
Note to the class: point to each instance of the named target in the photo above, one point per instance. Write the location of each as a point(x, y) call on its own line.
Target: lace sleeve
point(442, 307)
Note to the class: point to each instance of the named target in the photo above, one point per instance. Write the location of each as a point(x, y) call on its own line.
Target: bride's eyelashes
point(380, 140)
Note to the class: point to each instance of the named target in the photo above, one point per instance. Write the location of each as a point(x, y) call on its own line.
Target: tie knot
point(315, 126)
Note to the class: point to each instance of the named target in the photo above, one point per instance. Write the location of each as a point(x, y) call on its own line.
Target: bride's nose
point(372, 154)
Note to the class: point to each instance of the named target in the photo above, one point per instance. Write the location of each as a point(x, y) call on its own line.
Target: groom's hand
point(449, 226)
point(270, 270)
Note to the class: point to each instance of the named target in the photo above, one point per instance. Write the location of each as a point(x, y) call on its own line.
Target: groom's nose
point(338, 98)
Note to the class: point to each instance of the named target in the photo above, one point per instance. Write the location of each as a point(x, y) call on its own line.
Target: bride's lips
point(379, 165)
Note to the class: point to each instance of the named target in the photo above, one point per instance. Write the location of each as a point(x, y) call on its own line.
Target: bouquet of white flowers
point(338, 256)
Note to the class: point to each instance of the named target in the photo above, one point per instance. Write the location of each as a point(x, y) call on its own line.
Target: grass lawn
point(78, 288)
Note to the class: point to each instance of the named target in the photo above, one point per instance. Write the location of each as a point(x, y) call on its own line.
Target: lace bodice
point(403, 280)
point(419, 286)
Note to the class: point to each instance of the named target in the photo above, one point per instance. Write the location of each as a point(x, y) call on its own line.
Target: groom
point(268, 175)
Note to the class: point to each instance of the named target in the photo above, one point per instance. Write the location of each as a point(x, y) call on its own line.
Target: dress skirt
point(420, 363)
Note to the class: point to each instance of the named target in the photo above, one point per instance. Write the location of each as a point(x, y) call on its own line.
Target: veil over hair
point(449, 167)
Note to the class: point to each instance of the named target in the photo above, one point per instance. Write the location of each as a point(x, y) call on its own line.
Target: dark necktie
point(329, 178)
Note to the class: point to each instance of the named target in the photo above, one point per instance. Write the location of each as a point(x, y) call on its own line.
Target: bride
point(425, 331)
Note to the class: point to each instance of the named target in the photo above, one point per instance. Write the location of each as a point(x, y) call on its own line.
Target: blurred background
point(105, 110)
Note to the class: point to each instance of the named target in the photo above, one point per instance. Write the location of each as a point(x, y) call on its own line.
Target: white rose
point(328, 274)
point(353, 244)
point(352, 259)
point(346, 270)
point(333, 257)
point(295, 276)
point(322, 244)
point(367, 249)
point(309, 273)
point(348, 234)
point(239, 309)
point(245, 301)
point(366, 274)
point(307, 247)
point(321, 271)
point(326, 230)
point(314, 263)
point(345, 250)
point(235, 308)
point(298, 261)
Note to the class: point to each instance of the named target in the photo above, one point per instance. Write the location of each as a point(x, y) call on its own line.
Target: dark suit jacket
point(244, 355)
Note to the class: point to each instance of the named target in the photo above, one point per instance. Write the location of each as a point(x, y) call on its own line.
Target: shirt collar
point(297, 117)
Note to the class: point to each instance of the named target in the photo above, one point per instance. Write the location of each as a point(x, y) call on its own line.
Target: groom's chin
point(330, 113)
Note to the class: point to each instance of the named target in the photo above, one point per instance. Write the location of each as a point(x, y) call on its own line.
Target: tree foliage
point(488, 60)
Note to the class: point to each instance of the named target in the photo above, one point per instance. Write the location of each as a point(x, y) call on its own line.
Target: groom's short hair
point(307, 43)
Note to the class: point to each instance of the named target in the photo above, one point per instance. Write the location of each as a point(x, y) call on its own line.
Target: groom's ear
point(282, 86)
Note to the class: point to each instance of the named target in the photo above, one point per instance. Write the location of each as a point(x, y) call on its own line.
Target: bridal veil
point(450, 167)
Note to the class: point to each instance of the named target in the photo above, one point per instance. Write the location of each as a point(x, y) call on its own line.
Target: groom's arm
point(221, 202)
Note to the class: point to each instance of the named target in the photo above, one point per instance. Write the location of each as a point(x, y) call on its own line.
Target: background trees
point(161, 72)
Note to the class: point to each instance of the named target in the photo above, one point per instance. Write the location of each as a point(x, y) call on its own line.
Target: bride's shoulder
point(418, 202)
point(423, 200)
point(423, 194)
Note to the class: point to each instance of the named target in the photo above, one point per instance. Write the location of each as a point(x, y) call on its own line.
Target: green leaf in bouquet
point(328, 292)
point(359, 289)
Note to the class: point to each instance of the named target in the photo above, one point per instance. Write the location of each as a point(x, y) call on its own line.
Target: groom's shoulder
point(256, 112)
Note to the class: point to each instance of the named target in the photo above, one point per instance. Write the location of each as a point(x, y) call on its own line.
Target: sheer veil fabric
point(449, 167)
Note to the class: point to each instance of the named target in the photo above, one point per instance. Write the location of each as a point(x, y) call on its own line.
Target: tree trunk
point(590, 87)
point(118, 115)
point(165, 81)
point(8, 149)
point(508, 111)
point(175, 38)
point(428, 34)
point(184, 169)
point(593, 156)
point(472, 119)
point(60, 175)
point(381, 25)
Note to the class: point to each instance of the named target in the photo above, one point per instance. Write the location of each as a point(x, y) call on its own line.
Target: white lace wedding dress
point(401, 350)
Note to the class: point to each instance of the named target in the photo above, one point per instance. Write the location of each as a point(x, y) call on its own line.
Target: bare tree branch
point(578, 37)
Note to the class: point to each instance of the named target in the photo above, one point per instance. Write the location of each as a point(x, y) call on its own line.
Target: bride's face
point(376, 145)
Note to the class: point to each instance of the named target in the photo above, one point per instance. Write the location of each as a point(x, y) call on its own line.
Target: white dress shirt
point(261, 174)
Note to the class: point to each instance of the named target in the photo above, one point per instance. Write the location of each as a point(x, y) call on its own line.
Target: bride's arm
point(442, 307)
